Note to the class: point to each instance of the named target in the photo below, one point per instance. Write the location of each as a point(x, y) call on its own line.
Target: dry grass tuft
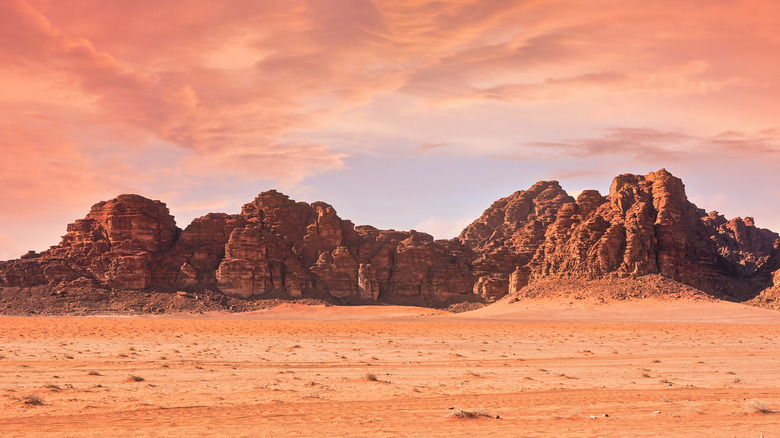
point(759, 406)
point(33, 399)
point(136, 379)
point(371, 377)
point(458, 412)
point(52, 387)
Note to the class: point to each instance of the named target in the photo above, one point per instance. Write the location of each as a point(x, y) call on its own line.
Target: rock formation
point(645, 225)
point(119, 244)
point(277, 248)
point(509, 233)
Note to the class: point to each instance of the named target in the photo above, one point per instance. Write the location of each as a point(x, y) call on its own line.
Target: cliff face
point(645, 225)
point(277, 247)
point(509, 233)
point(119, 244)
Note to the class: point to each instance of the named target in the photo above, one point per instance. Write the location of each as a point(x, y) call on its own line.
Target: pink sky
point(402, 114)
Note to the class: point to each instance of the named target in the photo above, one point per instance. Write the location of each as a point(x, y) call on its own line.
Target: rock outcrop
point(275, 247)
point(509, 233)
point(121, 243)
point(645, 225)
point(279, 248)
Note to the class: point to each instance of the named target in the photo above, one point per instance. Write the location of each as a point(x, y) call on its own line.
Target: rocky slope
point(769, 298)
point(279, 248)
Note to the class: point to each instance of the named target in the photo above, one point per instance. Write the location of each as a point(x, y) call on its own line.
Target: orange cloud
point(653, 145)
point(101, 96)
point(292, 66)
point(195, 108)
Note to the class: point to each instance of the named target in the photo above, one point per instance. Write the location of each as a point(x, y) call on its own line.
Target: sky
point(403, 114)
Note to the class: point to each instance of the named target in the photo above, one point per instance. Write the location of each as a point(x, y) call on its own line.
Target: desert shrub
point(759, 406)
point(458, 412)
point(33, 399)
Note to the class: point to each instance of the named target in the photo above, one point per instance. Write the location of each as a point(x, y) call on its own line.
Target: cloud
point(431, 145)
point(653, 145)
point(192, 107)
point(668, 81)
point(242, 93)
point(39, 172)
point(239, 81)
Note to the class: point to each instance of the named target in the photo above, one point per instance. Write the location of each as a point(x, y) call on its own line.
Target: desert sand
point(541, 368)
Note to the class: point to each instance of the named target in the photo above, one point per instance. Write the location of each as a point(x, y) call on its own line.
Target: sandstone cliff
point(279, 248)
point(645, 225)
point(275, 247)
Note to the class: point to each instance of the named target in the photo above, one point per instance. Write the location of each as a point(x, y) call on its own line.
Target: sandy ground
point(550, 368)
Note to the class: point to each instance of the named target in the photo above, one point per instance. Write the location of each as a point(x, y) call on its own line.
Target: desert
point(389, 218)
point(631, 314)
point(543, 368)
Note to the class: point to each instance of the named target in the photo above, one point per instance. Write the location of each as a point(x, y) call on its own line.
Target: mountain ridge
point(279, 248)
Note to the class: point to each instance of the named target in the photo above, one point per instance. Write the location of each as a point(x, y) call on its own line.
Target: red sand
point(654, 368)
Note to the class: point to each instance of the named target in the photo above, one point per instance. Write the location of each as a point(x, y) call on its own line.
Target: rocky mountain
point(279, 248)
point(275, 247)
point(645, 225)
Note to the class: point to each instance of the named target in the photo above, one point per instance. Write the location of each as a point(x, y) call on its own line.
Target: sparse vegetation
point(371, 377)
point(94, 373)
point(33, 399)
point(52, 387)
point(458, 412)
point(759, 406)
point(136, 378)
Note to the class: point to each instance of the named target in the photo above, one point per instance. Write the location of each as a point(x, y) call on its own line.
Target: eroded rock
point(279, 248)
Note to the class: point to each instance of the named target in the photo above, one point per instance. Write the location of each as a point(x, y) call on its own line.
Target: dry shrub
point(759, 406)
point(461, 413)
point(33, 399)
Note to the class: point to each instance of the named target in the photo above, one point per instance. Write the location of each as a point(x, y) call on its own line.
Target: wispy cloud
point(265, 92)
point(648, 144)
point(429, 146)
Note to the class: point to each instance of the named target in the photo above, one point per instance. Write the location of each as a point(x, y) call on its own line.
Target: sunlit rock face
point(645, 225)
point(277, 247)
